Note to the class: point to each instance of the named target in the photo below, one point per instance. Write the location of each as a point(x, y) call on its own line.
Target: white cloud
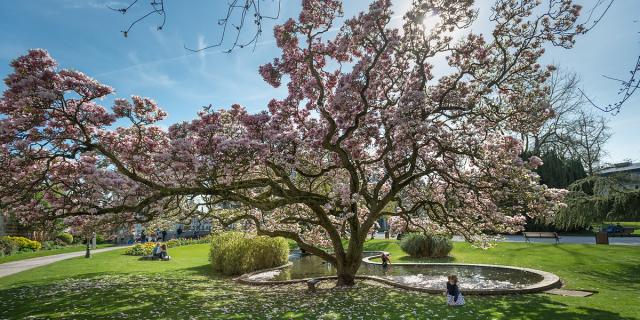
point(94, 4)
point(145, 74)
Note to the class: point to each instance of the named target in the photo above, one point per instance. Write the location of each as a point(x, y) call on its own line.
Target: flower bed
point(145, 249)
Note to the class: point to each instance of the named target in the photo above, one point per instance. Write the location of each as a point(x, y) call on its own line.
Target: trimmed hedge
point(419, 245)
point(234, 253)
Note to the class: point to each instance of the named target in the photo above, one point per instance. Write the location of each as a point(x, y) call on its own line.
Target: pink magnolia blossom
point(366, 130)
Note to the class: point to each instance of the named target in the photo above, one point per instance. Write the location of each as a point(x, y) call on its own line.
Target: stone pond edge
point(549, 281)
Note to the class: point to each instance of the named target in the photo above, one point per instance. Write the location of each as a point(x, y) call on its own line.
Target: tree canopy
point(366, 130)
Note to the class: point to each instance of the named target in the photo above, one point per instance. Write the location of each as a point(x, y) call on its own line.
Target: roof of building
point(620, 167)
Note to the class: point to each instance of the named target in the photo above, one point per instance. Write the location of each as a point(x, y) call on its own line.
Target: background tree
point(566, 101)
point(557, 172)
point(585, 140)
point(596, 199)
point(365, 124)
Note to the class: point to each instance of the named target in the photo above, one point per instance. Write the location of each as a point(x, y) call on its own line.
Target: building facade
point(628, 173)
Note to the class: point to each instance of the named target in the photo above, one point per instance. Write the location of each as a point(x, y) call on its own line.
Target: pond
point(427, 276)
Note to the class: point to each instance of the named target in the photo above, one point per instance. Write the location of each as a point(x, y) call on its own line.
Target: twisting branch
point(238, 16)
point(626, 90)
point(627, 87)
point(157, 6)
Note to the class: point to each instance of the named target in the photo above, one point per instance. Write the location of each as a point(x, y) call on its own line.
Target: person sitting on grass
point(454, 297)
point(156, 253)
point(164, 255)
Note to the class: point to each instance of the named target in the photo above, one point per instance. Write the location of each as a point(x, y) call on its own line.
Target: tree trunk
point(87, 254)
point(346, 279)
point(347, 267)
point(347, 274)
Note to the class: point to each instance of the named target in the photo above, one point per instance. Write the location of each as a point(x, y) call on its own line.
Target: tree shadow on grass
point(199, 293)
point(538, 306)
point(621, 276)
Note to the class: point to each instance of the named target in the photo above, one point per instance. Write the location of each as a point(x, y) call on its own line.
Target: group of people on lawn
point(454, 296)
point(160, 252)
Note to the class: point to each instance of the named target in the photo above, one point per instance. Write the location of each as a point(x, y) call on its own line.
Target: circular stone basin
point(427, 277)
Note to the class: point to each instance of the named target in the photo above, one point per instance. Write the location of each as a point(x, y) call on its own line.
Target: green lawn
point(114, 286)
point(44, 253)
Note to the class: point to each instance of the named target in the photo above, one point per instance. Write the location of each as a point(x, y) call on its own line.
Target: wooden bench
point(550, 235)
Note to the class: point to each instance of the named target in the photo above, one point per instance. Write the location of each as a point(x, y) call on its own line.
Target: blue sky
point(85, 35)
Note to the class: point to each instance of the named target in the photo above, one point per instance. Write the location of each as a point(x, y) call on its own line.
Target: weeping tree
point(596, 199)
point(366, 130)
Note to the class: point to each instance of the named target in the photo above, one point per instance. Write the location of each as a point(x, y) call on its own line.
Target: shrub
point(143, 249)
point(184, 242)
point(440, 246)
point(25, 244)
point(140, 249)
point(415, 245)
point(234, 253)
point(173, 243)
point(420, 245)
point(50, 245)
point(65, 237)
point(7, 246)
point(100, 239)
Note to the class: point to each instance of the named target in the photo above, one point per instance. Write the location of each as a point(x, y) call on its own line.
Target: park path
point(630, 241)
point(9, 268)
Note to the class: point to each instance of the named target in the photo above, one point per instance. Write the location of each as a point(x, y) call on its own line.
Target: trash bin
point(602, 237)
point(386, 234)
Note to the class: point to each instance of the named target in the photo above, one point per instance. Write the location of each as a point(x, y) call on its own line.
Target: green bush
point(145, 249)
point(183, 241)
point(441, 246)
point(234, 253)
point(100, 239)
point(173, 243)
point(50, 245)
point(419, 245)
point(140, 249)
point(25, 244)
point(65, 237)
point(7, 247)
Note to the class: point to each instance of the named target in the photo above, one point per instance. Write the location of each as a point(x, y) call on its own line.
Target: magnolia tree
point(366, 130)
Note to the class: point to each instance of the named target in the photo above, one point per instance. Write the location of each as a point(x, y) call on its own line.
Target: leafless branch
point(627, 87)
point(240, 14)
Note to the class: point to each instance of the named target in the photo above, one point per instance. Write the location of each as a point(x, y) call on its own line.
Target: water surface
point(427, 276)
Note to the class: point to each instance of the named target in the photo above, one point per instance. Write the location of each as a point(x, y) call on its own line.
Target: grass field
point(115, 286)
point(44, 253)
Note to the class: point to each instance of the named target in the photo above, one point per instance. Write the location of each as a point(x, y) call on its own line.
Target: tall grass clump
point(419, 245)
point(234, 253)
